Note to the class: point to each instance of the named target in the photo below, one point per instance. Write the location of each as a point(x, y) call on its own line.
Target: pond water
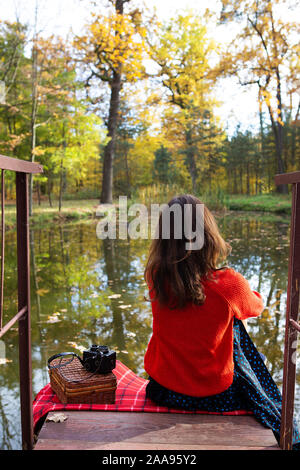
point(89, 291)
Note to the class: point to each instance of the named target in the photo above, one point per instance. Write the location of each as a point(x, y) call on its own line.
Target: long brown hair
point(173, 272)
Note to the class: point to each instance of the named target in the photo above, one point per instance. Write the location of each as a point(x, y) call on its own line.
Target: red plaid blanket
point(130, 396)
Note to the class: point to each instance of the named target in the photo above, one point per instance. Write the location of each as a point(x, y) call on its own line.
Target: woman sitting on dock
point(200, 356)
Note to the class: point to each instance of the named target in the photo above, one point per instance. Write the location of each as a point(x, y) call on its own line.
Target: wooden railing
point(292, 327)
point(22, 168)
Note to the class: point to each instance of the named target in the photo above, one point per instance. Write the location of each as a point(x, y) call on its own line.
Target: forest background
point(136, 103)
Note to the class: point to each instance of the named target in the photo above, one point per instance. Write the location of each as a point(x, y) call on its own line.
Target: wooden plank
point(122, 430)
point(22, 166)
point(287, 178)
point(52, 444)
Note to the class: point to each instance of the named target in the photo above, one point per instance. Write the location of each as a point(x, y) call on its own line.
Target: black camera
point(99, 359)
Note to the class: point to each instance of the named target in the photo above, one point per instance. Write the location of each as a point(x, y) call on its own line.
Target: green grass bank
point(79, 210)
point(276, 204)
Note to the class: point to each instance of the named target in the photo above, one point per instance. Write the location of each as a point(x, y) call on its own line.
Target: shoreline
point(267, 208)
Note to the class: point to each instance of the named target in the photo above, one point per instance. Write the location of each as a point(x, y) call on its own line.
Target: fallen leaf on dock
point(57, 418)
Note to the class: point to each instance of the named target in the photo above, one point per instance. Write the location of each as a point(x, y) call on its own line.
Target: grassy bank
point(276, 204)
point(218, 200)
point(42, 215)
point(79, 210)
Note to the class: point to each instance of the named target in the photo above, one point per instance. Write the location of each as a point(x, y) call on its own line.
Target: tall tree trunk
point(191, 161)
point(241, 181)
point(278, 137)
point(39, 193)
point(127, 175)
point(107, 176)
point(115, 86)
point(282, 188)
point(235, 190)
point(277, 127)
point(60, 186)
point(262, 157)
point(293, 136)
point(49, 190)
point(62, 171)
point(256, 181)
point(33, 121)
point(278, 124)
point(34, 104)
point(248, 178)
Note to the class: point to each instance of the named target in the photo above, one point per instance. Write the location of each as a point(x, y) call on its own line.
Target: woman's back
point(191, 349)
point(200, 356)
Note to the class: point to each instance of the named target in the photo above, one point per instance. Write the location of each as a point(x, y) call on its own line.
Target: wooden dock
point(92, 430)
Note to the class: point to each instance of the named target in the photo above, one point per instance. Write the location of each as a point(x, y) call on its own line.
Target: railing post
point(24, 301)
point(22, 168)
point(2, 247)
point(290, 345)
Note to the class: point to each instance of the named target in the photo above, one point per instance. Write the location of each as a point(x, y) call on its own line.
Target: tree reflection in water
point(86, 290)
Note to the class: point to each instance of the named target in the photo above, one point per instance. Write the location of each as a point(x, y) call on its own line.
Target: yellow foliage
point(114, 44)
point(141, 158)
point(266, 47)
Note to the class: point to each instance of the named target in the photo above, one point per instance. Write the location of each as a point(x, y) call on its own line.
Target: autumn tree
point(265, 52)
point(240, 162)
point(13, 39)
point(53, 82)
point(162, 162)
point(183, 52)
point(69, 135)
point(112, 51)
point(73, 146)
point(132, 123)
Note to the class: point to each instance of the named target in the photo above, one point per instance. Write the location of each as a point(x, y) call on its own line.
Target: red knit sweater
point(191, 349)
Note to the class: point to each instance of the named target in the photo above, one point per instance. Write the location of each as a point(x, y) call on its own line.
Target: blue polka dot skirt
point(252, 389)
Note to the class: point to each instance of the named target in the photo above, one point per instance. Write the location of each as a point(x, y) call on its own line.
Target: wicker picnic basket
point(72, 383)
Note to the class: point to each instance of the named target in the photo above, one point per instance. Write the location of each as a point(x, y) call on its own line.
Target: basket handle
point(63, 354)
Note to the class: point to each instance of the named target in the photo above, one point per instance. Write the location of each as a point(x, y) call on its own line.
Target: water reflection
point(86, 290)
